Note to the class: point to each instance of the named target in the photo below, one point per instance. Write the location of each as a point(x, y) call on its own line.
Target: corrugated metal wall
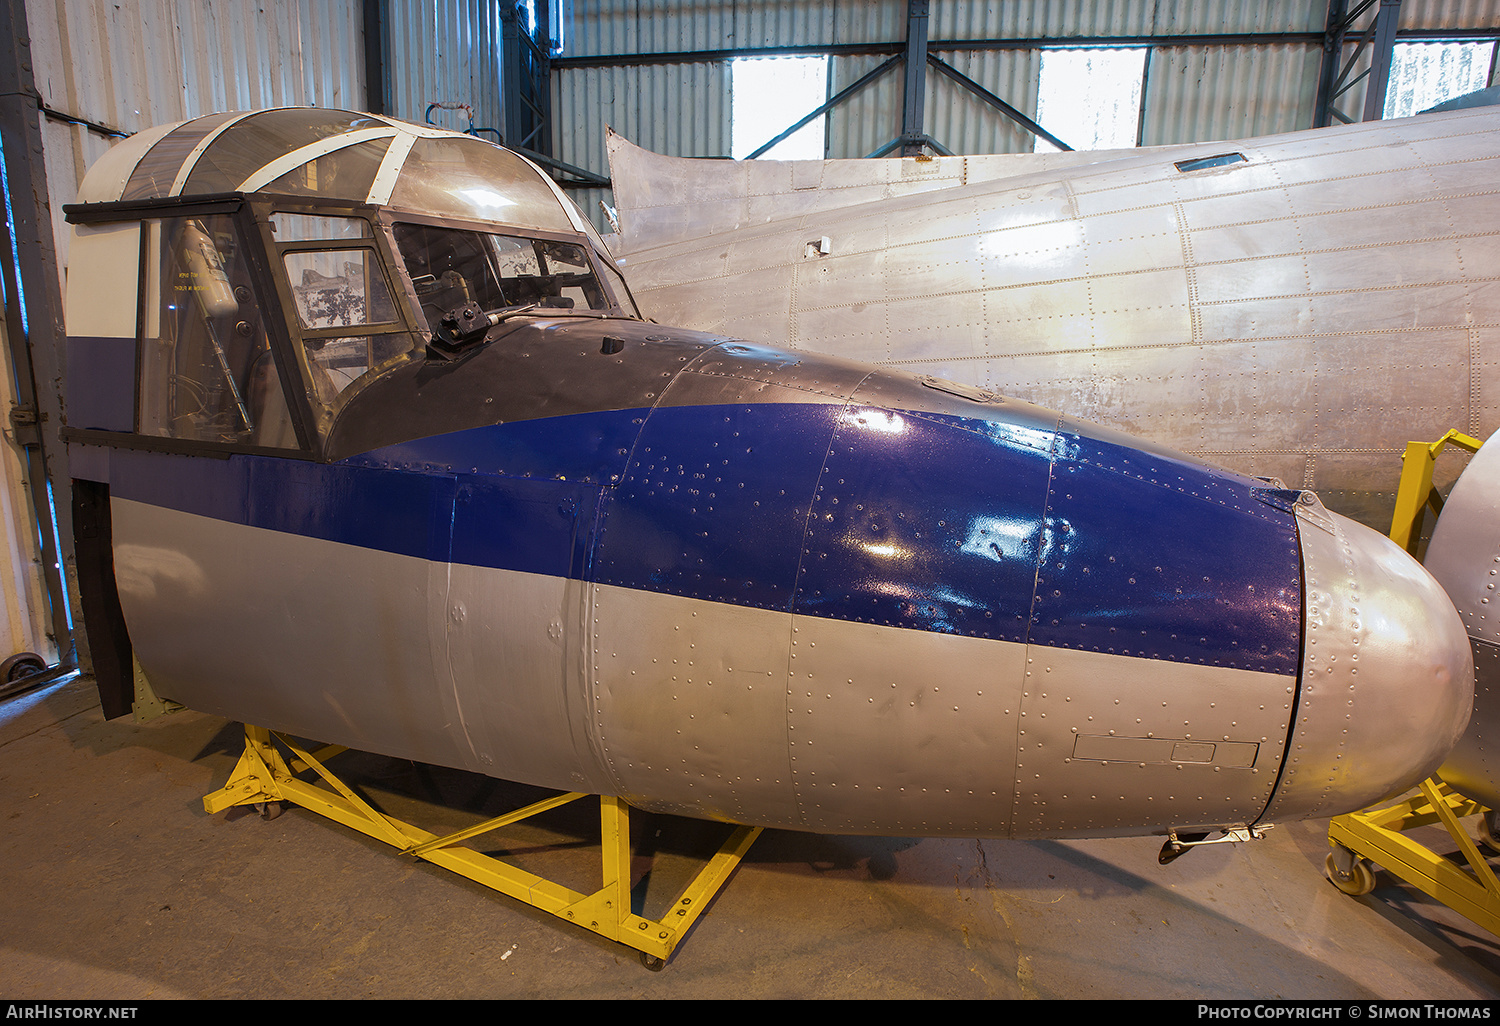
point(445, 52)
point(1194, 94)
point(664, 26)
point(128, 66)
point(1022, 19)
point(137, 64)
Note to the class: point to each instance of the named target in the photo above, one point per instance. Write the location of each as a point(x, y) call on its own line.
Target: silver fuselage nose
point(1386, 684)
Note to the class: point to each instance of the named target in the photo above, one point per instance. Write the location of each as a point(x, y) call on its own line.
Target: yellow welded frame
point(1415, 492)
point(264, 775)
point(1379, 834)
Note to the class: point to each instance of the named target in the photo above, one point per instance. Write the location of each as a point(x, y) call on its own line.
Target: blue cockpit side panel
point(537, 527)
point(1147, 556)
point(916, 520)
point(409, 514)
point(96, 366)
point(715, 502)
point(924, 522)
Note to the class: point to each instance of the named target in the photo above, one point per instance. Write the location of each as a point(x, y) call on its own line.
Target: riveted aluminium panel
point(536, 370)
point(370, 673)
point(715, 502)
point(926, 522)
point(517, 646)
point(1071, 781)
point(1464, 555)
point(1188, 565)
point(1474, 764)
point(901, 730)
point(1365, 705)
point(741, 372)
point(689, 705)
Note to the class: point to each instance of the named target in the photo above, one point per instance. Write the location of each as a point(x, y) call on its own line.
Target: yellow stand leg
point(264, 775)
point(1415, 492)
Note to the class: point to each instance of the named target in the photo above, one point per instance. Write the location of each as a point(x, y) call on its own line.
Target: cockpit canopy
point(334, 155)
point(286, 259)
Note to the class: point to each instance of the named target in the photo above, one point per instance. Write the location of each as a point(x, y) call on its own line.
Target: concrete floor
point(118, 885)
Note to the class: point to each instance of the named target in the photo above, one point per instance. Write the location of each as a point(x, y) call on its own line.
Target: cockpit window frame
point(368, 245)
point(264, 207)
point(262, 282)
point(252, 215)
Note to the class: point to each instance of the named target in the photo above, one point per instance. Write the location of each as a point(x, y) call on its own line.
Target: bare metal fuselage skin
point(731, 581)
point(1300, 307)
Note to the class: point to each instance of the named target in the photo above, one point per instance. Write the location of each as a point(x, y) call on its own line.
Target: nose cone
point(1387, 677)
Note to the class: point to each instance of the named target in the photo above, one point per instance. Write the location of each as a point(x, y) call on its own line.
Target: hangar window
point(1091, 98)
point(207, 373)
point(770, 94)
point(1424, 75)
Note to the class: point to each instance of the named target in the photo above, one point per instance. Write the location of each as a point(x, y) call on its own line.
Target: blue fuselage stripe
point(915, 520)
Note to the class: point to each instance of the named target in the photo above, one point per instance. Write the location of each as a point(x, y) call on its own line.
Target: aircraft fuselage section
point(375, 449)
point(760, 597)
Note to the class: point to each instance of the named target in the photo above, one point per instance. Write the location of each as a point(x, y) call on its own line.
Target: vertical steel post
point(374, 28)
point(912, 136)
point(542, 75)
point(33, 296)
point(1333, 56)
point(510, 74)
point(1380, 59)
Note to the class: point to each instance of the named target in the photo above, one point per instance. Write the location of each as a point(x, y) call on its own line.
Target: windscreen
point(450, 267)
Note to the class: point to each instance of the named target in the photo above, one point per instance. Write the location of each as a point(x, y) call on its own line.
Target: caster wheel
point(1486, 834)
point(653, 963)
point(268, 810)
point(1360, 879)
point(22, 664)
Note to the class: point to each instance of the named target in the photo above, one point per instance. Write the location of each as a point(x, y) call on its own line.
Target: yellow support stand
point(263, 775)
point(1379, 835)
point(1415, 492)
